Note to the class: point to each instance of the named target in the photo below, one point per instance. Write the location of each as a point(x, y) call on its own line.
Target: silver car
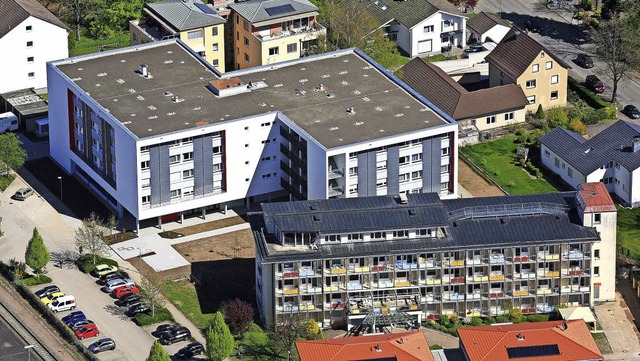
point(23, 193)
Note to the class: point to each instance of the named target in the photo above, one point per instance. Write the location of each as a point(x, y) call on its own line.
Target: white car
point(113, 284)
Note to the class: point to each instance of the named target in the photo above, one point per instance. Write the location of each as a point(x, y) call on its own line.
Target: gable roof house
point(34, 36)
point(486, 27)
point(611, 156)
point(520, 59)
point(419, 27)
point(473, 110)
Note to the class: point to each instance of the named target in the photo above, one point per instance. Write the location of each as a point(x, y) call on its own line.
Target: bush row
point(590, 97)
point(161, 315)
point(451, 325)
point(85, 262)
point(32, 280)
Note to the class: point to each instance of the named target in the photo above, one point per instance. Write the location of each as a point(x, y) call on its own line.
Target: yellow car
point(52, 297)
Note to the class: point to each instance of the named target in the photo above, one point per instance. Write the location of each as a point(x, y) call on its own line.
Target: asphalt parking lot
point(12, 347)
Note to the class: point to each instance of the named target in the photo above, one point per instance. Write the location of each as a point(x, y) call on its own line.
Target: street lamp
point(140, 260)
point(28, 348)
point(60, 179)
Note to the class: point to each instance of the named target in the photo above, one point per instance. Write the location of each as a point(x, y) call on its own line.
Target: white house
point(487, 27)
point(30, 36)
point(419, 27)
point(173, 136)
point(611, 157)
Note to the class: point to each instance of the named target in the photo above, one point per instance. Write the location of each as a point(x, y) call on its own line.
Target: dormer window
point(400, 234)
point(354, 237)
point(375, 236)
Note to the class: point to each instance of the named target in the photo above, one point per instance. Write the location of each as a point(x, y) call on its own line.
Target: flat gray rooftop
point(26, 101)
point(382, 107)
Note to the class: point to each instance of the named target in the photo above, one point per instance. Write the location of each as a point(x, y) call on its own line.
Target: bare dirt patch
point(474, 183)
point(232, 245)
point(203, 227)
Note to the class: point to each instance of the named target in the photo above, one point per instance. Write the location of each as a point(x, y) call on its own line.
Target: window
point(30, 59)
point(554, 79)
point(444, 186)
point(531, 84)
point(403, 177)
point(508, 117)
point(238, 37)
point(381, 183)
point(237, 19)
point(146, 182)
point(216, 63)
point(187, 156)
point(246, 57)
point(547, 153)
point(596, 253)
point(217, 167)
point(416, 157)
point(491, 119)
point(444, 151)
point(425, 46)
point(381, 165)
point(333, 238)
point(416, 175)
point(292, 48)
point(214, 31)
point(427, 29)
point(217, 149)
point(554, 95)
point(215, 47)
point(246, 41)
point(531, 99)
point(187, 174)
point(274, 51)
point(176, 193)
point(174, 159)
point(596, 271)
point(557, 163)
point(354, 237)
point(146, 199)
point(353, 171)
point(535, 68)
point(245, 25)
point(400, 234)
point(196, 34)
point(404, 160)
point(29, 44)
point(31, 75)
point(444, 168)
point(570, 172)
point(597, 218)
point(549, 65)
point(28, 28)
point(378, 235)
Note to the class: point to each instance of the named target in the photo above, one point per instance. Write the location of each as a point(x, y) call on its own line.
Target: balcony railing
point(479, 277)
point(334, 173)
point(452, 262)
point(543, 256)
point(476, 260)
point(452, 296)
point(523, 257)
point(312, 31)
point(496, 258)
point(573, 254)
point(406, 265)
point(335, 191)
point(526, 275)
point(496, 276)
point(475, 295)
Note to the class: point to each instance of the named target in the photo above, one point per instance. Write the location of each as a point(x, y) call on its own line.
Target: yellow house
point(195, 23)
point(270, 31)
point(521, 60)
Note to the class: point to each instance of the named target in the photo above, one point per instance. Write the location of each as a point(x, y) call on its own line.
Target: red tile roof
point(595, 197)
point(491, 342)
point(408, 346)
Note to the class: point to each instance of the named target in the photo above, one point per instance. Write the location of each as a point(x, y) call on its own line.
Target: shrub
point(607, 113)
point(31, 280)
point(587, 5)
point(538, 318)
point(238, 315)
point(435, 347)
point(578, 126)
point(540, 112)
point(501, 319)
point(521, 161)
point(161, 315)
point(587, 95)
point(490, 320)
point(444, 320)
point(455, 320)
point(85, 262)
point(594, 23)
point(557, 117)
point(515, 313)
point(476, 321)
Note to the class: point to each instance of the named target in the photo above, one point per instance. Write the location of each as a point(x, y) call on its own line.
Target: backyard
point(497, 159)
point(629, 232)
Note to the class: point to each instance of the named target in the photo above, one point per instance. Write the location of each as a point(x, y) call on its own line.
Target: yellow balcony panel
point(497, 278)
point(330, 288)
point(434, 281)
point(338, 271)
point(402, 283)
point(293, 291)
point(521, 293)
point(355, 311)
point(480, 278)
point(307, 307)
point(473, 314)
point(362, 269)
point(543, 291)
point(552, 274)
point(413, 307)
point(457, 263)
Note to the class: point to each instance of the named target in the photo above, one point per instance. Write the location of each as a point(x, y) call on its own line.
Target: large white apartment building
point(172, 136)
point(338, 261)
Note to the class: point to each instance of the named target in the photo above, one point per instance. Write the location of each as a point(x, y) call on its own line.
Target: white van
point(63, 303)
point(8, 122)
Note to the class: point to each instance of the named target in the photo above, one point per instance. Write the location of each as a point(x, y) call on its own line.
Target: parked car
point(87, 331)
point(124, 290)
point(594, 84)
point(190, 350)
point(80, 324)
point(113, 284)
point(52, 297)
point(584, 60)
point(631, 111)
point(22, 194)
point(177, 335)
point(46, 291)
point(112, 276)
point(103, 344)
point(63, 303)
point(74, 316)
point(137, 309)
point(104, 269)
point(129, 299)
point(163, 329)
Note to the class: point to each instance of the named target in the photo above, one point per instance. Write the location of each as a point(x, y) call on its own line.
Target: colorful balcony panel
point(307, 307)
point(354, 286)
point(527, 275)
point(545, 308)
point(380, 267)
point(543, 291)
point(552, 274)
point(495, 259)
point(307, 272)
point(480, 278)
point(330, 288)
point(433, 281)
point(473, 314)
point(496, 277)
point(521, 258)
point(520, 293)
point(290, 291)
point(474, 296)
point(405, 265)
point(290, 274)
point(402, 284)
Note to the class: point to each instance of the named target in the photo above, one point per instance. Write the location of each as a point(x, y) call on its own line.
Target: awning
point(450, 33)
point(197, 48)
point(577, 313)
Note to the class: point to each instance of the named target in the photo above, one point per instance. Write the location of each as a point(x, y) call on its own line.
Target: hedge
point(45, 312)
point(32, 280)
point(588, 96)
point(85, 262)
point(161, 315)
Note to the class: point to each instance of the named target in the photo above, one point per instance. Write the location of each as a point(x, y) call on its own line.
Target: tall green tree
point(220, 342)
point(157, 353)
point(36, 255)
point(89, 237)
point(12, 156)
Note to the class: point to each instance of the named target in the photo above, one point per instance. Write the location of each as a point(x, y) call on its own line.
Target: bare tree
point(293, 327)
point(77, 11)
point(617, 42)
point(89, 237)
point(151, 292)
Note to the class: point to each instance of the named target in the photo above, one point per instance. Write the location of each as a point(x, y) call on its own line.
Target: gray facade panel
point(198, 169)
point(371, 174)
point(426, 166)
point(207, 163)
point(154, 171)
point(165, 176)
point(435, 164)
point(393, 170)
point(362, 175)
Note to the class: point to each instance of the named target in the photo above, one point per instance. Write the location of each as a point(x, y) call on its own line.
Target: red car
point(124, 290)
point(87, 331)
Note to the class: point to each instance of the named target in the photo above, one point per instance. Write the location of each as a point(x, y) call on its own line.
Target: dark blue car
point(74, 317)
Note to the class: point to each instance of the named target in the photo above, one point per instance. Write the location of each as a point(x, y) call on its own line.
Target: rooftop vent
point(384, 7)
point(520, 336)
point(351, 110)
point(175, 99)
point(412, 212)
point(321, 87)
point(144, 70)
point(301, 92)
point(330, 94)
point(588, 150)
point(378, 2)
point(167, 93)
point(316, 218)
point(403, 198)
point(636, 143)
point(378, 348)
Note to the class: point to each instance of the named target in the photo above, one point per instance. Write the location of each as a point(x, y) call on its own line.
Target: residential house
point(474, 111)
point(194, 23)
point(271, 31)
point(521, 60)
point(611, 156)
point(338, 261)
point(406, 346)
point(30, 36)
point(419, 27)
point(486, 27)
point(535, 341)
point(174, 137)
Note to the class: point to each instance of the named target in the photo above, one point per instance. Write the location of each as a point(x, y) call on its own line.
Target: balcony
point(307, 271)
point(574, 271)
point(335, 191)
point(523, 257)
point(307, 306)
point(289, 273)
point(358, 268)
point(308, 288)
point(543, 256)
point(453, 262)
point(497, 311)
point(475, 260)
point(545, 308)
point(429, 263)
point(154, 33)
point(406, 265)
point(479, 277)
point(545, 290)
point(334, 173)
point(496, 258)
point(496, 292)
point(310, 32)
point(331, 288)
point(432, 280)
point(288, 307)
point(525, 275)
point(452, 279)
point(523, 291)
point(447, 296)
point(379, 267)
point(337, 270)
point(384, 283)
point(475, 295)
point(548, 273)
point(573, 254)
point(353, 286)
point(496, 276)
point(290, 291)
point(527, 309)
point(476, 312)
point(430, 297)
point(402, 283)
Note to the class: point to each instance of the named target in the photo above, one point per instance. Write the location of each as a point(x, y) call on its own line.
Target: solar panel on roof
point(533, 351)
point(205, 9)
point(279, 10)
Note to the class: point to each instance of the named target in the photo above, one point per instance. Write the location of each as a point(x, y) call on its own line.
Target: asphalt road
point(12, 347)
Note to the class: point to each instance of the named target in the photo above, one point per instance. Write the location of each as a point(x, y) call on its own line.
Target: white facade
point(431, 35)
point(495, 34)
point(29, 46)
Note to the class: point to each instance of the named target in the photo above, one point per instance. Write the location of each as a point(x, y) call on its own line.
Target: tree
point(238, 315)
point(77, 12)
point(464, 4)
point(617, 42)
point(36, 255)
point(293, 327)
point(157, 353)
point(12, 156)
point(89, 237)
point(150, 292)
point(220, 342)
point(113, 16)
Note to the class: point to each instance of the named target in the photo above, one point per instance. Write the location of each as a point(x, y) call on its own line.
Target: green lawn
point(602, 342)
point(439, 57)
point(184, 296)
point(629, 231)
point(496, 158)
point(5, 181)
point(87, 45)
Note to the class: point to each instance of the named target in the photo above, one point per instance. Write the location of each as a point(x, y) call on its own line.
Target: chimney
point(564, 325)
point(636, 143)
point(378, 348)
point(351, 110)
point(144, 70)
point(520, 336)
